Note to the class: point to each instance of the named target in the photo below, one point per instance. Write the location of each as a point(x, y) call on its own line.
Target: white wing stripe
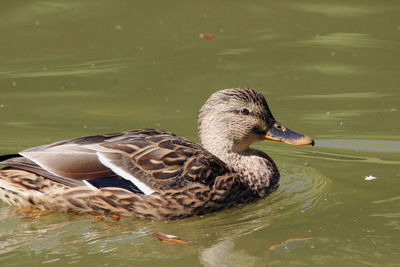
point(124, 174)
point(89, 185)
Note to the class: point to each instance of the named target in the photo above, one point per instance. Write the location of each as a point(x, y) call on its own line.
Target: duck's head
point(232, 119)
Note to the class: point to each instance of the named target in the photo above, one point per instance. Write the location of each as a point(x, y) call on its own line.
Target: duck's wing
point(160, 160)
point(152, 160)
point(16, 161)
point(68, 162)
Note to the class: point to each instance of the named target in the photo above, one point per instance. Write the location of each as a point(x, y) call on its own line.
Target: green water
point(329, 69)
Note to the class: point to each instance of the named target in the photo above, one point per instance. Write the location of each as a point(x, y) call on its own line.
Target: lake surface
point(329, 69)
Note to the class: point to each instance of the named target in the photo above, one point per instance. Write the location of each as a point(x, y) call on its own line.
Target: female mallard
point(155, 174)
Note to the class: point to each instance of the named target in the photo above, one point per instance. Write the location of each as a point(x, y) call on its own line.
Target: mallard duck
point(155, 174)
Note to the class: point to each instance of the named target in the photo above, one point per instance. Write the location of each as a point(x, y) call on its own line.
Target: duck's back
point(149, 160)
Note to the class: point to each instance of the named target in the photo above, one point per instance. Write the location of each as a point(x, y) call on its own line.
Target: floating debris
point(369, 178)
point(170, 239)
point(206, 36)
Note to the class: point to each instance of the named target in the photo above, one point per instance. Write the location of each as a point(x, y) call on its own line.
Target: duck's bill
point(280, 133)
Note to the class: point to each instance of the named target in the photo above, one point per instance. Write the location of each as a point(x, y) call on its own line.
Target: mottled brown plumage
point(151, 173)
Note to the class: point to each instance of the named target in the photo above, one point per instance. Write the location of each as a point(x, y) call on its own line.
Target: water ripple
point(73, 239)
point(368, 145)
point(345, 40)
point(335, 10)
point(79, 69)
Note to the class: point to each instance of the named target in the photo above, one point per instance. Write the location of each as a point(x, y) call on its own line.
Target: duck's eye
point(245, 111)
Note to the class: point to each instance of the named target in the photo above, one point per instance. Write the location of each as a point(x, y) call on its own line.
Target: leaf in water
point(170, 239)
point(206, 36)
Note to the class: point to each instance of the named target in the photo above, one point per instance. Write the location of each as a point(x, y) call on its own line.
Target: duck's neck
point(255, 167)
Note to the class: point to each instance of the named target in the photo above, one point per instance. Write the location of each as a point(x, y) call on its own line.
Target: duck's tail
point(21, 188)
point(15, 194)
